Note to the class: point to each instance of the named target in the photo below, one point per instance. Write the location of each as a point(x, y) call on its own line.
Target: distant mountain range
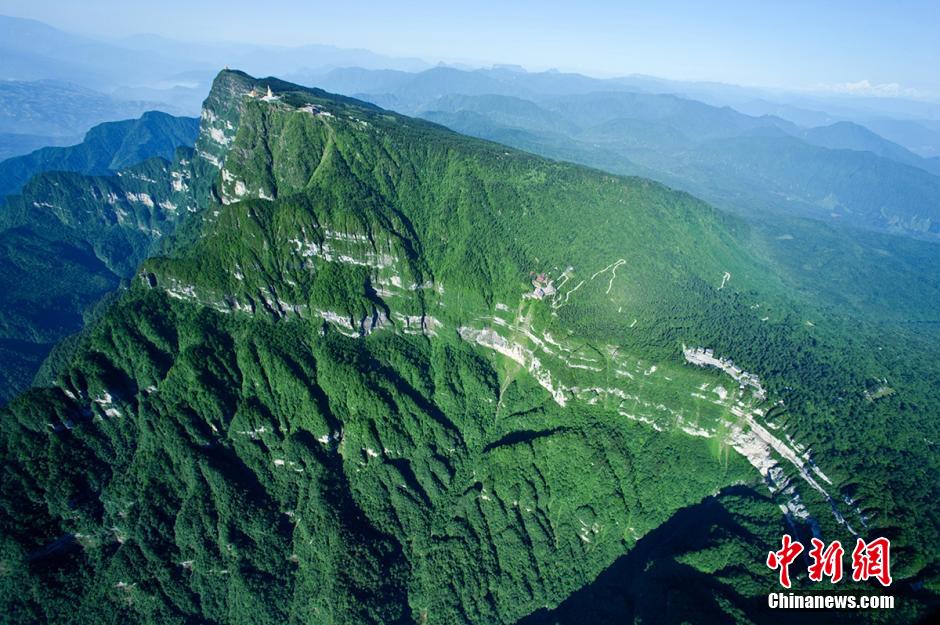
point(908, 122)
point(152, 68)
point(842, 172)
point(40, 113)
point(173, 76)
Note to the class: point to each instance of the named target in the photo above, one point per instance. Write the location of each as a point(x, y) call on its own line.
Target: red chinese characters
point(790, 549)
point(869, 560)
point(826, 562)
point(872, 559)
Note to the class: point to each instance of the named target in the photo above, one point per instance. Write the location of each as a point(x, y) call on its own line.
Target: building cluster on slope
point(313, 109)
point(706, 358)
point(541, 287)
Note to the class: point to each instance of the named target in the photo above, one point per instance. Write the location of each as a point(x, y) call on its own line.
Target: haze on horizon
point(861, 48)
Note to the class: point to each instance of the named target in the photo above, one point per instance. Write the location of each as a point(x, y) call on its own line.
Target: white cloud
point(868, 88)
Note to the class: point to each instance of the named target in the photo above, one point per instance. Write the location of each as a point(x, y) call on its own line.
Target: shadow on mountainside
point(651, 585)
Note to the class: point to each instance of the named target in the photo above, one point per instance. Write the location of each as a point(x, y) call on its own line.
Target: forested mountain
point(382, 372)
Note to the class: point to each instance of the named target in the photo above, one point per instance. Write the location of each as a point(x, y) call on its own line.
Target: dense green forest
point(386, 373)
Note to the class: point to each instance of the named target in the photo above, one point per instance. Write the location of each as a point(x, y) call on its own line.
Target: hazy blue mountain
point(31, 50)
point(409, 92)
point(154, 68)
point(554, 82)
point(54, 108)
point(790, 176)
point(852, 136)
point(800, 116)
point(918, 136)
point(350, 80)
point(811, 108)
point(695, 120)
point(509, 111)
point(278, 60)
point(106, 148)
point(14, 144)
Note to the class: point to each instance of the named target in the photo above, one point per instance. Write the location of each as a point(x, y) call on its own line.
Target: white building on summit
point(269, 97)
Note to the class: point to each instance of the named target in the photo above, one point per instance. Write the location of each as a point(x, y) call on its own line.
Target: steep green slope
point(106, 148)
point(864, 274)
point(342, 396)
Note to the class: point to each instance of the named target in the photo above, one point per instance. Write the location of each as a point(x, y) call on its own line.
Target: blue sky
point(888, 47)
